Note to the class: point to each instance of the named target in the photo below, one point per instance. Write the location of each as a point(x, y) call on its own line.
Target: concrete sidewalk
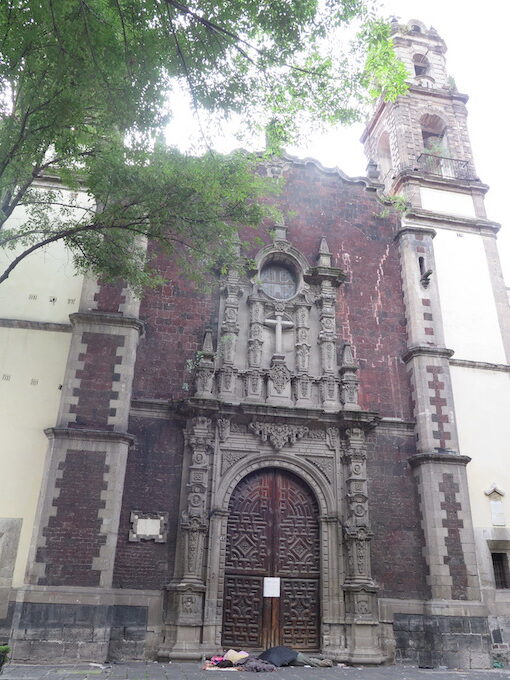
point(193, 671)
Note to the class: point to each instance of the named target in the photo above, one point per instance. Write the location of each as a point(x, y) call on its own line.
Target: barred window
point(500, 565)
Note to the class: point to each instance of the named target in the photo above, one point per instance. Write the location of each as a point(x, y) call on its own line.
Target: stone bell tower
point(419, 148)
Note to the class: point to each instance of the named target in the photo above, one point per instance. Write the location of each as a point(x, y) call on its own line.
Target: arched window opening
point(433, 130)
point(421, 65)
point(278, 280)
point(384, 155)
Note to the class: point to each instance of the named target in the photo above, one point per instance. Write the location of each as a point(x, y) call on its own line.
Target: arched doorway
point(272, 531)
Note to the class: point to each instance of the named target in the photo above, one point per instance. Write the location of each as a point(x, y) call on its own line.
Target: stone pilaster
point(229, 331)
point(360, 591)
point(328, 278)
point(74, 541)
point(439, 469)
point(447, 525)
point(349, 381)
point(185, 594)
point(204, 379)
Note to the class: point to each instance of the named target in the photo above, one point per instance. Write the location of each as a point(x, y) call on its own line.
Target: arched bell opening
point(384, 155)
point(433, 131)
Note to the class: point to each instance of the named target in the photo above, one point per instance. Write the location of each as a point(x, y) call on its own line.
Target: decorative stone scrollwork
point(253, 384)
point(349, 381)
point(194, 522)
point(328, 356)
point(358, 556)
point(204, 376)
point(230, 458)
point(229, 324)
point(302, 357)
point(189, 603)
point(328, 386)
point(357, 533)
point(316, 434)
point(223, 425)
point(325, 465)
point(332, 438)
point(303, 387)
point(255, 352)
point(278, 435)
point(280, 376)
point(228, 343)
point(204, 381)
point(360, 601)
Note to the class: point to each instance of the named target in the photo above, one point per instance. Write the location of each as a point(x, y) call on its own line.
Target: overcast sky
point(476, 34)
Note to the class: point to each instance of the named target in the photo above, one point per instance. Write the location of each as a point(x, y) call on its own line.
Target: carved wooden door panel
point(273, 530)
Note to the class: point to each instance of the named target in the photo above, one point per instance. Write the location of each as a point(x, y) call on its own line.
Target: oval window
point(278, 281)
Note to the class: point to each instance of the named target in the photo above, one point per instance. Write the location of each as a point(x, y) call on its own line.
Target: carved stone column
point(360, 591)
point(254, 382)
point(185, 601)
point(328, 278)
point(229, 331)
point(302, 382)
point(204, 381)
point(327, 342)
point(349, 381)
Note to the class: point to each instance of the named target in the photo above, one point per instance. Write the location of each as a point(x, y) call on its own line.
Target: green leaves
point(85, 97)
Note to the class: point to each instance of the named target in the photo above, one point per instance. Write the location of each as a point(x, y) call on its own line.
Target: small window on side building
point(500, 566)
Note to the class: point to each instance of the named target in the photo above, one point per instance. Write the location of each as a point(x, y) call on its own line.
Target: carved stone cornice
point(427, 350)
point(106, 436)
point(333, 274)
point(458, 222)
point(414, 229)
point(434, 457)
point(106, 319)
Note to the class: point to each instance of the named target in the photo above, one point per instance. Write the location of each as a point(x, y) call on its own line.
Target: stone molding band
point(91, 435)
point(107, 319)
point(425, 350)
point(36, 325)
point(433, 457)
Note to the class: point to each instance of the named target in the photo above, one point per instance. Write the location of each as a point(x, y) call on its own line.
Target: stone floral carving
point(278, 435)
point(325, 465)
point(316, 434)
point(255, 351)
point(230, 458)
point(302, 357)
point(280, 375)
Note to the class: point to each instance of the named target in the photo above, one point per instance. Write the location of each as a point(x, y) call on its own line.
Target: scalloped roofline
point(308, 160)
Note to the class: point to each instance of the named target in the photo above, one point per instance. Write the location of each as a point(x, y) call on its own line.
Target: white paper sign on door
point(271, 587)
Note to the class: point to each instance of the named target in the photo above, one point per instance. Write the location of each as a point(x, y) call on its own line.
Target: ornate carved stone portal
point(275, 436)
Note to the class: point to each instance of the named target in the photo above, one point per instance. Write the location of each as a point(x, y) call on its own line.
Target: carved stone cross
point(280, 325)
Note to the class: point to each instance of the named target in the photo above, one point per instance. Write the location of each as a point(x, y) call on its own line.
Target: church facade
point(309, 453)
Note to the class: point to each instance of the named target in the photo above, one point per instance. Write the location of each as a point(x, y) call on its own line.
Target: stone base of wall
point(451, 641)
point(58, 633)
point(6, 624)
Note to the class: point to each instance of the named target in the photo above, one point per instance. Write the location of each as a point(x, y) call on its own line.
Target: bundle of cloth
point(269, 660)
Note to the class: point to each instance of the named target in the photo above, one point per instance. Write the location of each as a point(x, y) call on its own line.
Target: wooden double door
point(273, 531)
